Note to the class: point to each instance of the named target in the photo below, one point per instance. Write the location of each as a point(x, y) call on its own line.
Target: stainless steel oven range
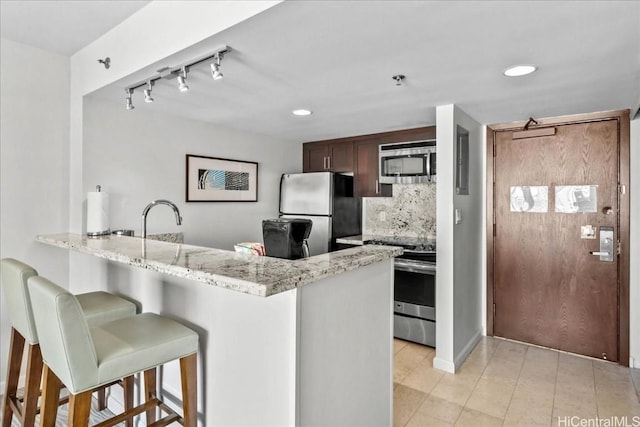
point(414, 290)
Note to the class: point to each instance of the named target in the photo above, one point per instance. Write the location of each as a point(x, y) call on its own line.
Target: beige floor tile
point(455, 388)
point(561, 415)
point(534, 393)
point(574, 401)
point(492, 396)
point(472, 418)
point(503, 369)
point(406, 402)
point(615, 407)
point(524, 416)
point(614, 384)
point(574, 365)
point(435, 407)
point(481, 354)
point(408, 358)
point(474, 365)
point(540, 366)
point(424, 377)
point(510, 349)
point(427, 421)
point(635, 376)
point(398, 345)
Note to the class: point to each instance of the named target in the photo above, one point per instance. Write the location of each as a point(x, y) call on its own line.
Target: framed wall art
point(212, 179)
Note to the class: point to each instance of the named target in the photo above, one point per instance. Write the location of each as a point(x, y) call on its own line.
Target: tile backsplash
point(411, 212)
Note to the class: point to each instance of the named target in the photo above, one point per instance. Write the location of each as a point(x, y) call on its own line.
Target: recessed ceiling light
point(301, 112)
point(520, 70)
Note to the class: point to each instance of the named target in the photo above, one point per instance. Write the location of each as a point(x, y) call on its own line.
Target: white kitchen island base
point(320, 354)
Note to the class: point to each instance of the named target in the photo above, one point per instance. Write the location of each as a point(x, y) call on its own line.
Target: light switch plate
point(588, 232)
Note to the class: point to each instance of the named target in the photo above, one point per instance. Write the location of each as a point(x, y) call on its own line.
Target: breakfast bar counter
point(256, 275)
point(282, 342)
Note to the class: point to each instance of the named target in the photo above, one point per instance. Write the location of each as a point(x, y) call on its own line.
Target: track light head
point(215, 67)
point(128, 101)
point(215, 72)
point(182, 84)
point(147, 96)
point(147, 92)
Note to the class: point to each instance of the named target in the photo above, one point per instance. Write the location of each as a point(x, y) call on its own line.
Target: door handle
point(606, 245)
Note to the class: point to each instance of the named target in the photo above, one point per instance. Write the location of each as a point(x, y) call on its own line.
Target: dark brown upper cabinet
point(327, 156)
point(359, 154)
point(366, 167)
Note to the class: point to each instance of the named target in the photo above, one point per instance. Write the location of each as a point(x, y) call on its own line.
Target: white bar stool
point(97, 308)
point(84, 358)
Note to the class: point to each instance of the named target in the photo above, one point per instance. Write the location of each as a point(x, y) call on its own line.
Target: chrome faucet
point(154, 203)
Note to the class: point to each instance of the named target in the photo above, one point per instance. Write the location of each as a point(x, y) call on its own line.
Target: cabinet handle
point(324, 162)
point(377, 187)
point(329, 162)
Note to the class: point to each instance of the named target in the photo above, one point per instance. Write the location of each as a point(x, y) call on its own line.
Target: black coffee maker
point(286, 237)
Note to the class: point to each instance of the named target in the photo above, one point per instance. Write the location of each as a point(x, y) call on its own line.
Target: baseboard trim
point(444, 365)
point(468, 348)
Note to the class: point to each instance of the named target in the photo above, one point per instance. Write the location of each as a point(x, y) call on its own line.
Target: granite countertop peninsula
point(251, 274)
point(367, 238)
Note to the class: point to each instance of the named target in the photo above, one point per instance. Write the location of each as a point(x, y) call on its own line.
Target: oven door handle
point(414, 267)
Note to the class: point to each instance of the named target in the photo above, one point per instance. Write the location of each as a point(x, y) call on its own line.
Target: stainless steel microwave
point(408, 162)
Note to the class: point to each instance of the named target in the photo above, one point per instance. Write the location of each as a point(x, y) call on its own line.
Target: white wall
point(468, 246)
point(139, 156)
point(166, 37)
point(34, 135)
point(445, 137)
point(634, 282)
point(460, 246)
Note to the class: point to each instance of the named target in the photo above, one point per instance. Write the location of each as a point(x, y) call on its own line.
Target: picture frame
point(215, 179)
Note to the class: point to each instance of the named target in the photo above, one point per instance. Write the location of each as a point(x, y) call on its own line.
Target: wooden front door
point(553, 194)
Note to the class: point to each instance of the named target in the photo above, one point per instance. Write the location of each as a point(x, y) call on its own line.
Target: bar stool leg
point(32, 385)
point(102, 399)
point(127, 385)
point(16, 349)
point(79, 409)
point(188, 374)
point(150, 392)
point(50, 398)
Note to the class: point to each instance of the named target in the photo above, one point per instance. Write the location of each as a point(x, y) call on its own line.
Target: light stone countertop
point(354, 240)
point(251, 274)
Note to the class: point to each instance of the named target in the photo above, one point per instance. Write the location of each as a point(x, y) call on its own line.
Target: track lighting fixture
point(147, 92)
point(215, 67)
point(129, 103)
point(182, 84)
point(179, 73)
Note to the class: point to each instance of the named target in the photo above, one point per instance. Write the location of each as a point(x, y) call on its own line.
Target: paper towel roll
point(97, 213)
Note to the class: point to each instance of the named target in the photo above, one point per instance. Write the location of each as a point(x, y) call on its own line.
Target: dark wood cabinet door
point(341, 156)
point(366, 169)
point(315, 157)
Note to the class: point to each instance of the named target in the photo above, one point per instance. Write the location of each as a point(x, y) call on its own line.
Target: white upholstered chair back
point(65, 341)
point(14, 283)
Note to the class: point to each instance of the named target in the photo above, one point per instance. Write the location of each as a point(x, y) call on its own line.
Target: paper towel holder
point(95, 234)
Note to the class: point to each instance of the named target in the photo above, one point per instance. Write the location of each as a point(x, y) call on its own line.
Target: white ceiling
point(62, 26)
point(337, 59)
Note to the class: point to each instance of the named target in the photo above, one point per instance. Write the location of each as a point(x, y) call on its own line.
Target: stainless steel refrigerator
point(327, 200)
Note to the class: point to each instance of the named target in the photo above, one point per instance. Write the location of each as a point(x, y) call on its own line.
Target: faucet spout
point(147, 208)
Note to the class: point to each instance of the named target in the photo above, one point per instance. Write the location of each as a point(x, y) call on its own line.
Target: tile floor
point(504, 383)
